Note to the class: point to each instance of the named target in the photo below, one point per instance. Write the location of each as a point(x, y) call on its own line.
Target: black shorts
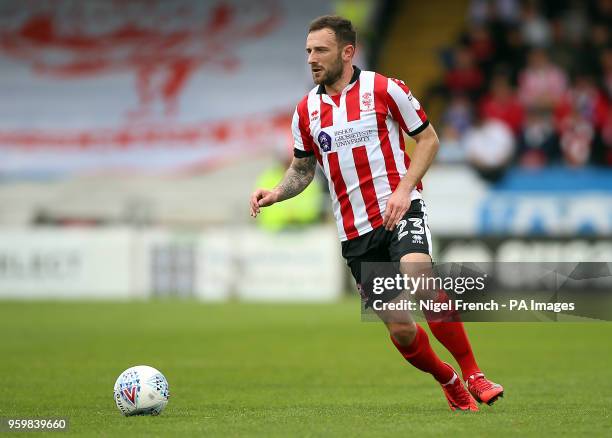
point(411, 235)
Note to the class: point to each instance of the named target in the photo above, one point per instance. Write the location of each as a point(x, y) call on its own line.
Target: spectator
point(538, 144)
point(606, 71)
point(501, 103)
point(480, 12)
point(580, 116)
point(452, 150)
point(508, 11)
point(456, 121)
point(294, 213)
point(585, 100)
point(483, 11)
point(576, 140)
point(541, 83)
point(481, 45)
point(458, 114)
point(535, 29)
point(551, 119)
point(465, 76)
point(490, 148)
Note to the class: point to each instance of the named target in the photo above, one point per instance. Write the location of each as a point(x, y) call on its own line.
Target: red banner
point(151, 85)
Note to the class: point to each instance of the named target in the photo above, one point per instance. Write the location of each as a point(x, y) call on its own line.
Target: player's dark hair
point(343, 28)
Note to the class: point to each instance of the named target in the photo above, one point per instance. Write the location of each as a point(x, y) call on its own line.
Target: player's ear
point(348, 52)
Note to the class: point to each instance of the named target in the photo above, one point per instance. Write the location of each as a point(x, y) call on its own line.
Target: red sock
point(454, 338)
point(420, 354)
point(450, 332)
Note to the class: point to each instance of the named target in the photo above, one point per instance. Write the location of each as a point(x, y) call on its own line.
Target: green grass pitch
point(290, 370)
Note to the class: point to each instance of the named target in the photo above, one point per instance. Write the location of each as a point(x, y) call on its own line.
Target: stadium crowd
point(530, 84)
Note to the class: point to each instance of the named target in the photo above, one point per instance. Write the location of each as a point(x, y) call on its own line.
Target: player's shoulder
point(389, 80)
point(398, 83)
point(379, 75)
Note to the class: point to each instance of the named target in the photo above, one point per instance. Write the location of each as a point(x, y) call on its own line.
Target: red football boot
point(483, 390)
point(457, 396)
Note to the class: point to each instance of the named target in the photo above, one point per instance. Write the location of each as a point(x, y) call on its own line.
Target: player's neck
point(340, 84)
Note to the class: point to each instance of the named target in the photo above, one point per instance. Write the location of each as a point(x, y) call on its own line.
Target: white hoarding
point(255, 265)
point(47, 263)
point(212, 265)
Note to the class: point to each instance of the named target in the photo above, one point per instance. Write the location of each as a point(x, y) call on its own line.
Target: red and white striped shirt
point(358, 143)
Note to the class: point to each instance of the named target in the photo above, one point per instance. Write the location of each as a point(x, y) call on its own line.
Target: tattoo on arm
point(298, 176)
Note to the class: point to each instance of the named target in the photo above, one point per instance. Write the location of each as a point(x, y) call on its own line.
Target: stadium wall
point(212, 265)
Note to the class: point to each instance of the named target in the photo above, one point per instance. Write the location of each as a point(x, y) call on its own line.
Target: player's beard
point(332, 74)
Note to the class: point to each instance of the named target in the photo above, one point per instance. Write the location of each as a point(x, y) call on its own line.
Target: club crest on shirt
point(325, 141)
point(367, 103)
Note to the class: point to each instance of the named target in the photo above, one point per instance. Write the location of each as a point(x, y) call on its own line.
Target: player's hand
point(262, 198)
point(397, 206)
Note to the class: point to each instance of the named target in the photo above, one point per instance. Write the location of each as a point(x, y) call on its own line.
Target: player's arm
point(407, 111)
point(296, 179)
point(427, 145)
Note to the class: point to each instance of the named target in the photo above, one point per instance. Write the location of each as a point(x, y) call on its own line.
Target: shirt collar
point(356, 73)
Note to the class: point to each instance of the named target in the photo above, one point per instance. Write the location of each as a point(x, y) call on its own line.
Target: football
point(141, 390)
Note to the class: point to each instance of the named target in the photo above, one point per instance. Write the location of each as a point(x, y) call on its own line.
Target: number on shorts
point(401, 224)
point(418, 224)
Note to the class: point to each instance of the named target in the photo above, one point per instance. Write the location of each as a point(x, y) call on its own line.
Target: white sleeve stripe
point(406, 105)
point(295, 130)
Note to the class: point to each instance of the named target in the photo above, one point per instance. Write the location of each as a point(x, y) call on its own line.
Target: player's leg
point(367, 257)
point(413, 344)
point(447, 328)
point(410, 339)
point(414, 254)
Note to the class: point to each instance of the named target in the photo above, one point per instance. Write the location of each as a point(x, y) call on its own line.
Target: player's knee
point(415, 263)
point(418, 265)
point(403, 333)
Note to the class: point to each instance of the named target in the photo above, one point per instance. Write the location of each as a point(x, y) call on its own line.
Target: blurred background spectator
point(294, 213)
point(543, 69)
point(490, 147)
